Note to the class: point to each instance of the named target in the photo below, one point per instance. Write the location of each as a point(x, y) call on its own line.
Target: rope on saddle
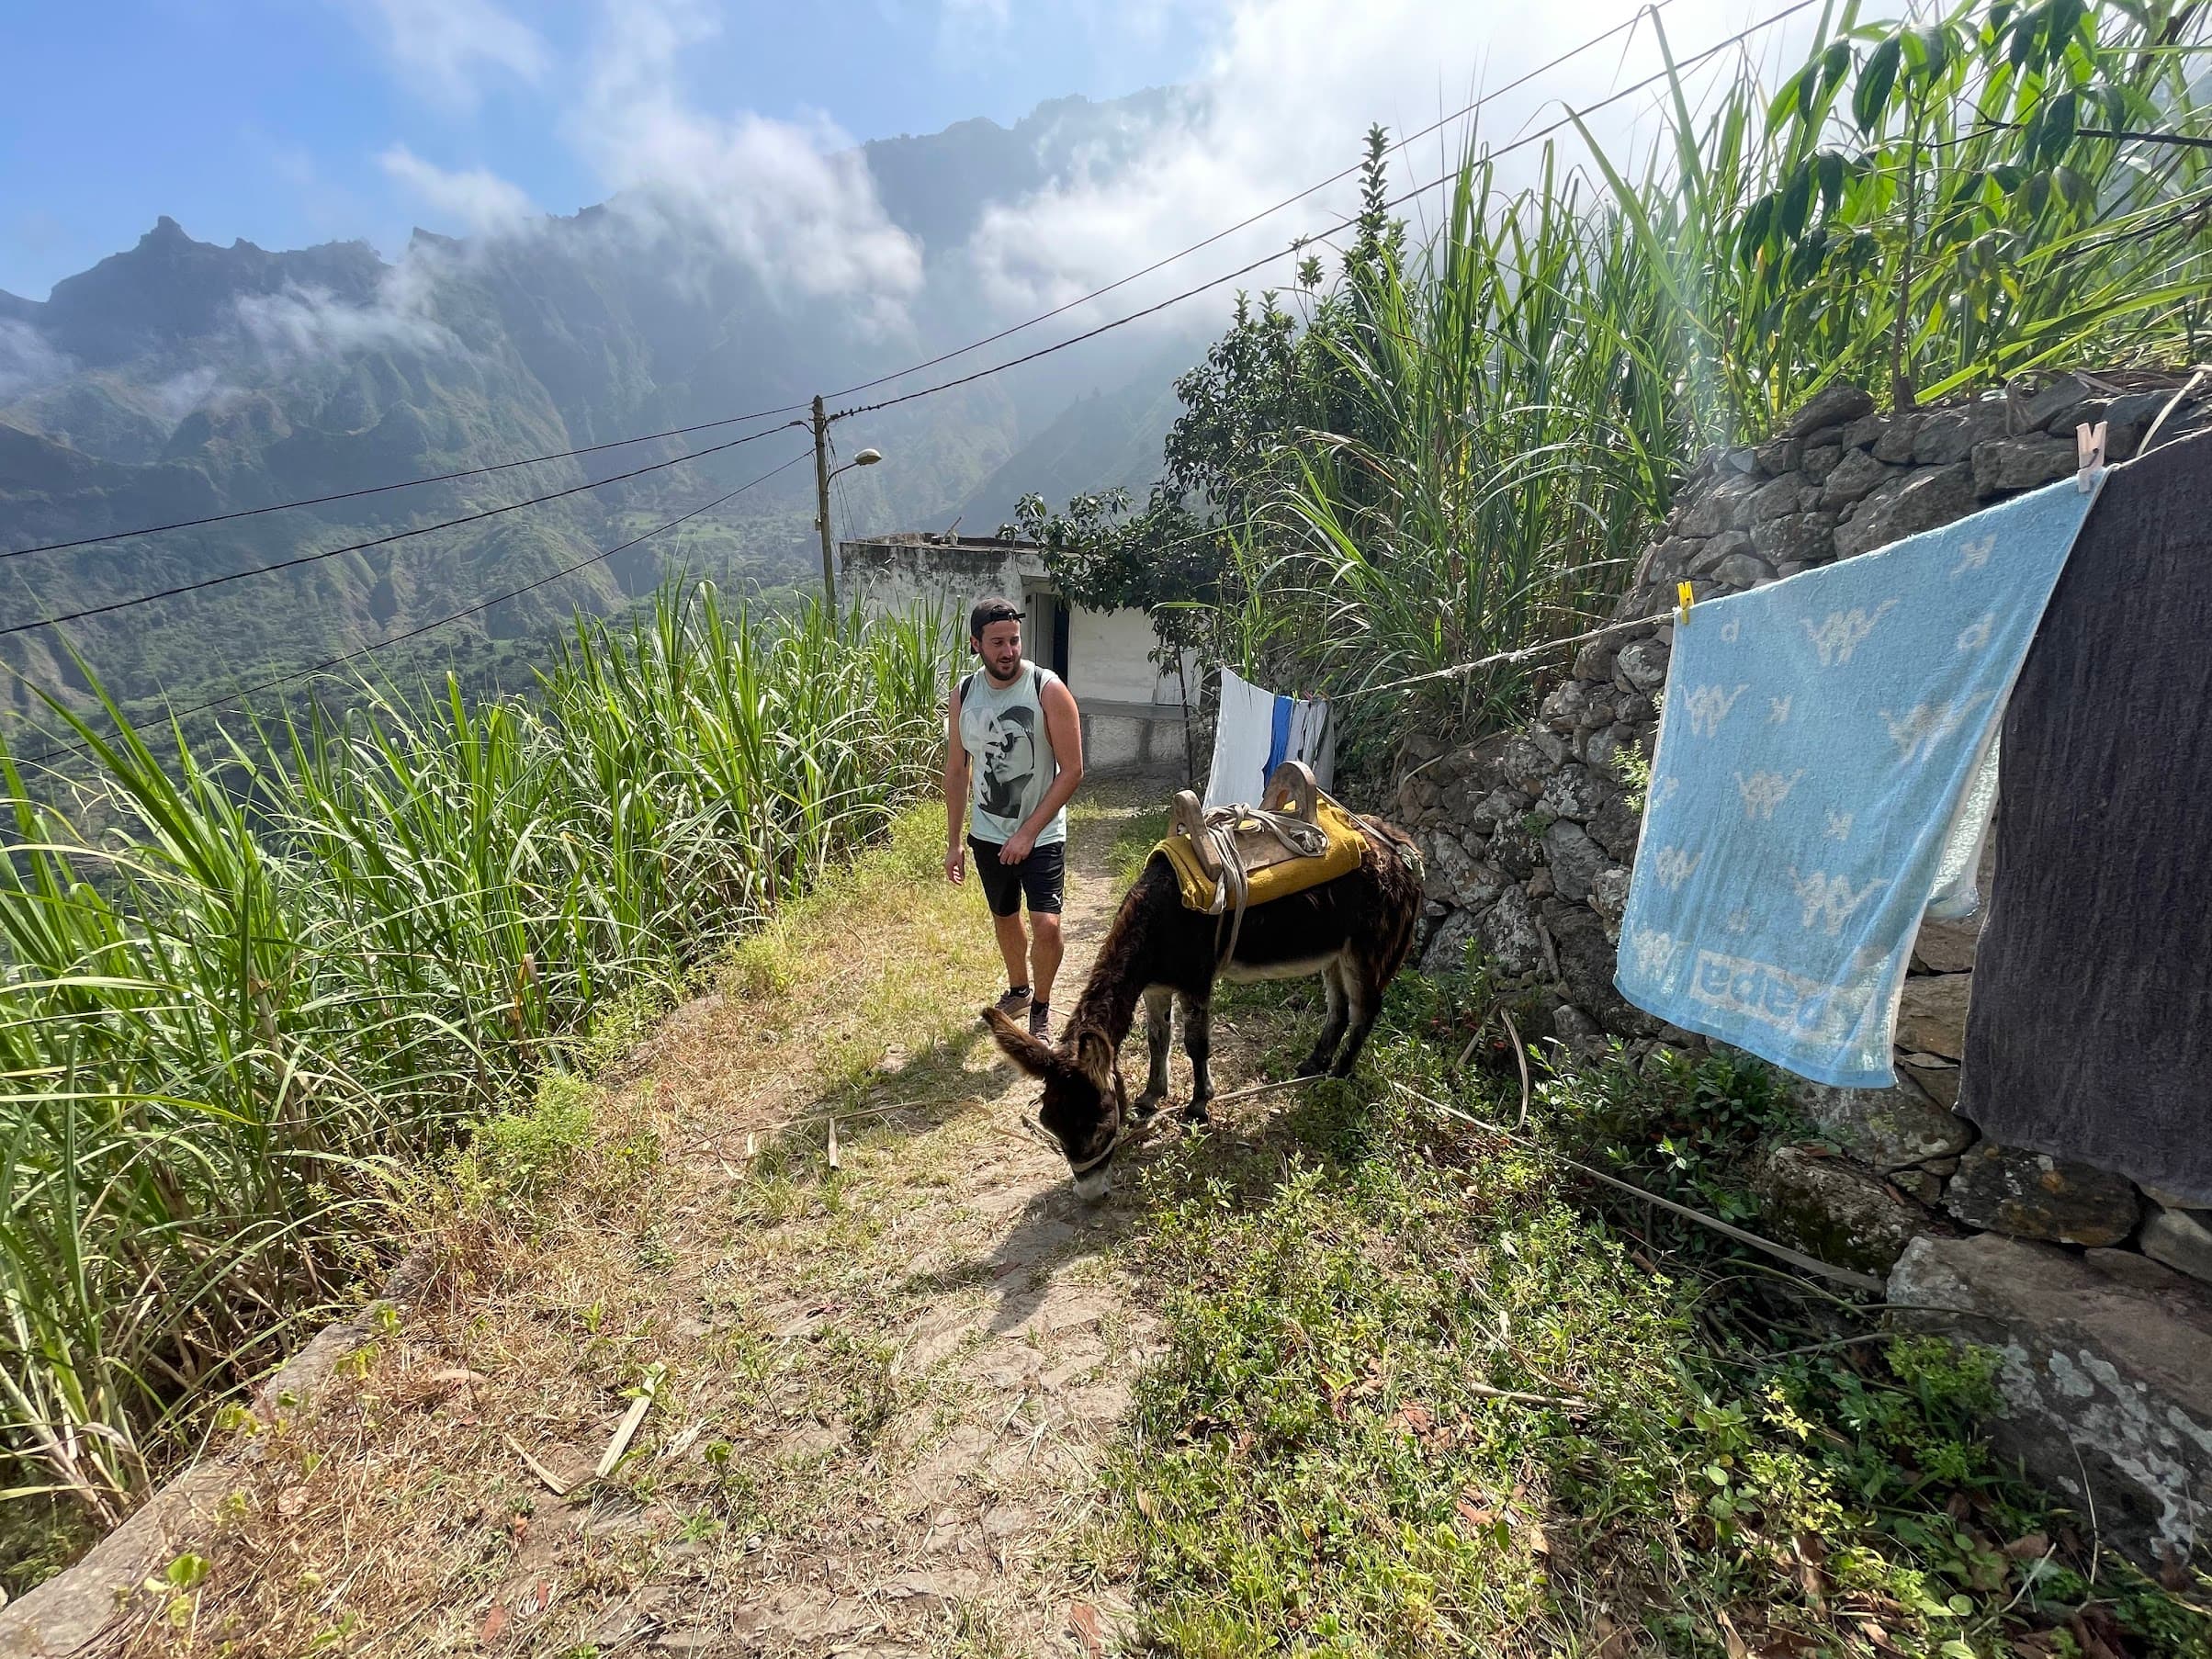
point(1296, 836)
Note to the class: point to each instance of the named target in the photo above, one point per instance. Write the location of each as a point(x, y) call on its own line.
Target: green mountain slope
point(180, 379)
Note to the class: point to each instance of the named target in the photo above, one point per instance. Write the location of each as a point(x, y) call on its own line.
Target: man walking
point(1013, 755)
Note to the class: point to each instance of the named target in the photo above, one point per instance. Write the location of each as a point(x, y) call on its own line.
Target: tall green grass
point(284, 975)
point(1512, 400)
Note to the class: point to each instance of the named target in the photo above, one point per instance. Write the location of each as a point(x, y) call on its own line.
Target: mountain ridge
point(181, 379)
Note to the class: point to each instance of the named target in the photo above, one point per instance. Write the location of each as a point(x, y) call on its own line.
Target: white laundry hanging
point(1256, 731)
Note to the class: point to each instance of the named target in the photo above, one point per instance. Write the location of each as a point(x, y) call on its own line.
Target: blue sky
point(277, 119)
point(293, 121)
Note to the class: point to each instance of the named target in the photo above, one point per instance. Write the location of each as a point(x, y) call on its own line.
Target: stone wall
point(1531, 837)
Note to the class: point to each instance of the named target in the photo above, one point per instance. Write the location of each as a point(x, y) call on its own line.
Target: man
point(1014, 755)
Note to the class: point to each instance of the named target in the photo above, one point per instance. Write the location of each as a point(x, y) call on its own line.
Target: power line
point(1396, 201)
point(912, 368)
point(474, 610)
point(1244, 224)
point(411, 483)
point(308, 559)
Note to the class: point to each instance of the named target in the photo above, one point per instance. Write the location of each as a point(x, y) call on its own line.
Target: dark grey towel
point(2090, 1032)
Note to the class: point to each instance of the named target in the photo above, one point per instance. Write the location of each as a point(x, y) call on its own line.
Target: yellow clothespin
point(1685, 596)
point(2088, 450)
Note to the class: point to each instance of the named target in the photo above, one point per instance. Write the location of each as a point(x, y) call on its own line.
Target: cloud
point(448, 47)
point(794, 200)
point(1287, 97)
point(302, 324)
point(475, 199)
point(28, 360)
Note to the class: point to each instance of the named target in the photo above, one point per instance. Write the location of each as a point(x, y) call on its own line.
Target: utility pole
point(821, 499)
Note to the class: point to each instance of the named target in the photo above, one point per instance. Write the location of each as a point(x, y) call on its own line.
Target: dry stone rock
point(1455, 875)
point(2025, 463)
point(1499, 806)
point(1856, 476)
point(1741, 570)
point(1716, 509)
point(1833, 405)
point(2056, 406)
point(1615, 829)
point(1515, 848)
point(1946, 947)
point(1936, 1077)
point(1595, 660)
point(1586, 960)
point(2180, 1239)
point(1931, 1015)
point(2127, 419)
point(1526, 763)
point(1801, 538)
point(1711, 554)
point(2105, 1371)
point(1818, 462)
point(1573, 791)
point(1950, 435)
point(2033, 1195)
point(1771, 501)
point(1778, 456)
point(1446, 952)
point(1509, 933)
point(1609, 896)
point(1886, 1127)
point(1905, 506)
point(1642, 665)
point(1568, 707)
point(1865, 431)
point(1832, 1208)
point(1576, 861)
point(1894, 443)
point(1606, 747)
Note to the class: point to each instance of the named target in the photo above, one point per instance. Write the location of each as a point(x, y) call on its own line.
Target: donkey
point(1354, 931)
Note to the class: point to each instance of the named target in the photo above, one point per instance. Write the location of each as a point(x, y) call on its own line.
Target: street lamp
point(822, 475)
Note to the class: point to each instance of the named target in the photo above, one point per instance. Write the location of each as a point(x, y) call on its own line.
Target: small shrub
point(515, 1156)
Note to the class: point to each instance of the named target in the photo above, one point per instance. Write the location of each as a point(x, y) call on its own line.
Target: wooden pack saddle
point(1234, 856)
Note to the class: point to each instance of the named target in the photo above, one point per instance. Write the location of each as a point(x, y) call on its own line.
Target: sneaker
point(1014, 1003)
point(1040, 1022)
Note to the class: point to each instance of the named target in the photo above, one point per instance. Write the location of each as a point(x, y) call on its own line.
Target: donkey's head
point(1085, 1103)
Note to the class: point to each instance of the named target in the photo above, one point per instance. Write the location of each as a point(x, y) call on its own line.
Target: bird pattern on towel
point(1815, 750)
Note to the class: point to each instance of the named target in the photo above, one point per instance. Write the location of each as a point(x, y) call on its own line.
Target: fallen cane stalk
point(1562, 1401)
point(628, 1427)
point(558, 1487)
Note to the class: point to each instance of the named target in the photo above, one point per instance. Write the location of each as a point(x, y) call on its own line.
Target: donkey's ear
point(1094, 1058)
point(1022, 1049)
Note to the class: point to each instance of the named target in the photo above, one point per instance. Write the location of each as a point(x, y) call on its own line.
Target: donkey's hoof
point(1312, 1066)
point(1196, 1112)
point(1147, 1104)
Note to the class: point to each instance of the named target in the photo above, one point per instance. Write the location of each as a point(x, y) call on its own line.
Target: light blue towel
point(1814, 768)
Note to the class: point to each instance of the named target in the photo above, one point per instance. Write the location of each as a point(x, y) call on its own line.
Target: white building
point(1133, 712)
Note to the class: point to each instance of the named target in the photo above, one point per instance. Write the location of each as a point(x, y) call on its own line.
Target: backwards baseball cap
point(987, 611)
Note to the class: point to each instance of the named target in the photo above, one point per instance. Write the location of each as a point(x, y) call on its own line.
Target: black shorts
point(1041, 877)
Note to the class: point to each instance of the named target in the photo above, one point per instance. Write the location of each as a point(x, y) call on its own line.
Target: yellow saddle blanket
point(1271, 870)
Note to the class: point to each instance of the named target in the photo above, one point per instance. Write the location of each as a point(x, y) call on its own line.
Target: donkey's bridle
point(1128, 1132)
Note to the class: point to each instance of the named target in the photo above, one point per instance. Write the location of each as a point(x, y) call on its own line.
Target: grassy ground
point(1344, 1377)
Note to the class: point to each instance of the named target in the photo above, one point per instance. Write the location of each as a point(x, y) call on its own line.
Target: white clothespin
point(2088, 450)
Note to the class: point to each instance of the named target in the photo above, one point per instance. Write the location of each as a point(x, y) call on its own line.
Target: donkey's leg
point(1198, 1042)
point(1333, 979)
point(1159, 1011)
point(1363, 985)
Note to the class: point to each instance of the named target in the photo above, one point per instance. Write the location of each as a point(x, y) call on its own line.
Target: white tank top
point(1010, 762)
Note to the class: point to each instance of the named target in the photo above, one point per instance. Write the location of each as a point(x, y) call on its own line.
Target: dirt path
point(880, 1390)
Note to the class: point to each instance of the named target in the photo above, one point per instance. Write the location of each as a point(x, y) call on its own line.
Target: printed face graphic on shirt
point(1009, 760)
